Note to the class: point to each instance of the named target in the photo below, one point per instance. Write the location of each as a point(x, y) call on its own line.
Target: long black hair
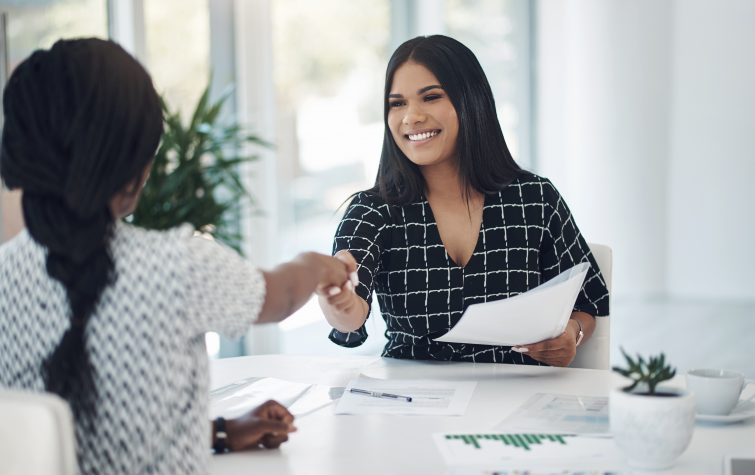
point(82, 122)
point(485, 163)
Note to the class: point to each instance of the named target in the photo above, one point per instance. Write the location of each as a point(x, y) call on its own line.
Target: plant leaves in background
point(195, 177)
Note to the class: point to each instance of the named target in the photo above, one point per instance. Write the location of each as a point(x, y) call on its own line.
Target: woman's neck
point(443, 183)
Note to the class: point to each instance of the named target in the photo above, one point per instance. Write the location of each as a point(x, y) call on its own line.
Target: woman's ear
point(124, 202)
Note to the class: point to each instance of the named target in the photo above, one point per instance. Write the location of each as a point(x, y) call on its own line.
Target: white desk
point(377, 445)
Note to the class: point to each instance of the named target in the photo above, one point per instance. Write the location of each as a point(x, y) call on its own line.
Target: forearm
point(289, 286)
point(347, 316)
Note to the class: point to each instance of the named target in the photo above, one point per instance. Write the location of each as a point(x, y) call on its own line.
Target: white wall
point(646, 123)
point(711, 215)
point(602, 122)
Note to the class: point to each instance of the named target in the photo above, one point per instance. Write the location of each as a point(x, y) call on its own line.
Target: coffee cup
point(716, 390)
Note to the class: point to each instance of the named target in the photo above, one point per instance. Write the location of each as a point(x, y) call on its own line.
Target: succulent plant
point(648, 372)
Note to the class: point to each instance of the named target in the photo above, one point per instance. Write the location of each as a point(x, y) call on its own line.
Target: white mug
point(716, 390)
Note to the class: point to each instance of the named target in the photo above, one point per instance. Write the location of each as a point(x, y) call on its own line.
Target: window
point(329, 60)
point(498, 32)
point(177, 37)
point(34, 25)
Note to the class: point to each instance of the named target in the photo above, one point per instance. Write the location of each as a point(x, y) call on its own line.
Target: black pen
point(379, 394)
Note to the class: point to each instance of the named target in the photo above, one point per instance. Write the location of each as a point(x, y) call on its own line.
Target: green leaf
point(195, 175)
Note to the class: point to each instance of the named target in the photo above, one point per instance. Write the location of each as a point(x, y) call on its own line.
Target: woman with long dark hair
point(112, 317)
point(452, 220)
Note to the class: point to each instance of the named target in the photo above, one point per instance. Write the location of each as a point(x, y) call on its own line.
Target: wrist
point(579, 333)
point(220, 439)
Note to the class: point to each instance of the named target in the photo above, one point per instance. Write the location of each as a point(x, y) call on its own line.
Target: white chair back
point(36, 434)
point(595, 353)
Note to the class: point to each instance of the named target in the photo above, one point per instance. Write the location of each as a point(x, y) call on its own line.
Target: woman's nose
point(413, 115)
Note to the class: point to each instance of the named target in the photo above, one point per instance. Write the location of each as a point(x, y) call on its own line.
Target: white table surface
point(377, 444)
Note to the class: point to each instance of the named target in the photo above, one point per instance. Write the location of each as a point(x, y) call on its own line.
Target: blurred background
point(642, 113)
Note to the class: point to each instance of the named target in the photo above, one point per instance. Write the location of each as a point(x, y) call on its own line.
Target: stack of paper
point(539, 314)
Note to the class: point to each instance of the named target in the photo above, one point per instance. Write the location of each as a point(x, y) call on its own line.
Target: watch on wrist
point(221, 437)
point(581, 334)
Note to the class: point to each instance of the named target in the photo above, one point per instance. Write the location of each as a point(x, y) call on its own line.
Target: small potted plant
point(652, 424)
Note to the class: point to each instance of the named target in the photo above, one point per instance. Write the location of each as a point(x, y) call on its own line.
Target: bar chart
point(522, 441)
point(522, 449)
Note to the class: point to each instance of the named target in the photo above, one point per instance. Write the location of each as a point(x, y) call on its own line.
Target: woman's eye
point(395, 103)
point(432, 97)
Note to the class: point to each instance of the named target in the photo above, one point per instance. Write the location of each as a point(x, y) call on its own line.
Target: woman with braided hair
point(112, 317)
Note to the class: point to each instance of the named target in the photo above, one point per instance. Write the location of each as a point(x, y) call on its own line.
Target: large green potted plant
point(652, 424)
point(196, 176)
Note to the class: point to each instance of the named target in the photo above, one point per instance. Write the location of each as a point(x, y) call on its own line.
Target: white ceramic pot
point(652, 431)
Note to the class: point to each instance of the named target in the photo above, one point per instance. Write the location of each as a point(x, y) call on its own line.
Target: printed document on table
point(536, 315)
point(564, 413)
point(246, 394)
point(429, 397)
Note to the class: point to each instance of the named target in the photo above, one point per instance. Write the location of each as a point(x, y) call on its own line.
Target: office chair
point(36, 434)
point(595, 352)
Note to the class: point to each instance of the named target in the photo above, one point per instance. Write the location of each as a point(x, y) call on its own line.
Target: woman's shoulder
point(367, 198)
point(368, 202)
point(134, 235)
point(530, 187)
point(529, 178)
point(162, 245)
point(20, 251)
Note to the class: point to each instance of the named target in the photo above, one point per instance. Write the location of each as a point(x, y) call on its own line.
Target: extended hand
point(334, 283)
point(268, 424)
point(342, 297)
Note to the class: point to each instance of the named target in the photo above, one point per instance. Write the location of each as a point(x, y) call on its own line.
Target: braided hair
point(82, 122)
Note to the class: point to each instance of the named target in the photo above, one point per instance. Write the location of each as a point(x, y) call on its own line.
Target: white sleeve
point(226, 292)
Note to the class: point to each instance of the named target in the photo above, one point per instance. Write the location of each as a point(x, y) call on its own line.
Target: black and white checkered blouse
point(527, 236)
point(145, 339)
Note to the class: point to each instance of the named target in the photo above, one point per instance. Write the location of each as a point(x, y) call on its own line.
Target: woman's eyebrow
point(420, 91)
point(427, 88)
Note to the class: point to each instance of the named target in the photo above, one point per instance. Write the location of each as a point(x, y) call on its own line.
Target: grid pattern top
point(145, 340)
point(527, 236)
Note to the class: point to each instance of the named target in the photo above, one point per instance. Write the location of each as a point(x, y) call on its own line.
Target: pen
point(379, 394)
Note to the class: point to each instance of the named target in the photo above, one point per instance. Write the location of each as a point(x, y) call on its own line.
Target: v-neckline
point(431, 216)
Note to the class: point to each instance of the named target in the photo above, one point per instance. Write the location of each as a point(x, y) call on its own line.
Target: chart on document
point(539, 449)
point(566, 413)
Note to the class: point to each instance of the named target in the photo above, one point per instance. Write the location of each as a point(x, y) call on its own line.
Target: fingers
point(340, 275)
point(559, 351)
point(351, 266)
point(265, 427)
point(343, 299)
point(563, 341)
point(554, 358)
point(275, 411)
point(346, 257)
point(270, 441)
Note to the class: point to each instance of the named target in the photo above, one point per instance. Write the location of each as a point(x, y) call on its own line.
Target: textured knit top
point(145, 339)
point(527, 236)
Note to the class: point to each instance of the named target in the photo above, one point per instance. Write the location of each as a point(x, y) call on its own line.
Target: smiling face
point(421, 117)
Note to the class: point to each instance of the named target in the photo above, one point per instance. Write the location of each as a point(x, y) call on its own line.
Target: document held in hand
point(536, 315)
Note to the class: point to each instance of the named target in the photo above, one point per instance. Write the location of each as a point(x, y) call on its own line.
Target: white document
point(536, 315)
point(530, 452)
point(563, 413)
point(428, 397)
point(244, 395)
